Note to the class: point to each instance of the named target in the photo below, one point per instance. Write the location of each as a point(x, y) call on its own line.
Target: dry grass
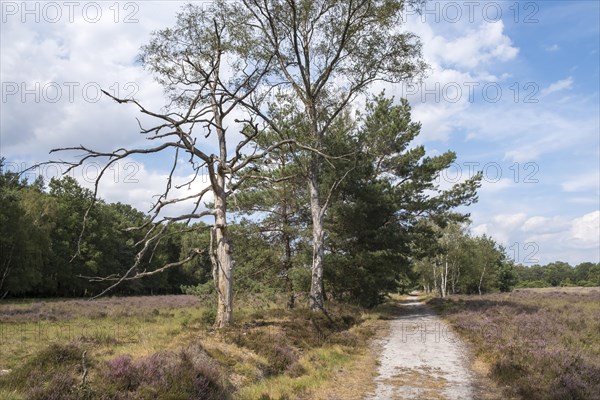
point(270, 353)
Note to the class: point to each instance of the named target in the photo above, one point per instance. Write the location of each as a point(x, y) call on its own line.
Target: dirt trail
point(423, 359)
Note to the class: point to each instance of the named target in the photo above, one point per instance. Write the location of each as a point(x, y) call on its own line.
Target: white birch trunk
point(317, 297)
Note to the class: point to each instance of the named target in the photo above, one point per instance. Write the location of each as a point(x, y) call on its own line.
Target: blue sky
point(513, 89)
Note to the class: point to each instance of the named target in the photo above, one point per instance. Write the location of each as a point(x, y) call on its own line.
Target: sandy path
point(422, 359)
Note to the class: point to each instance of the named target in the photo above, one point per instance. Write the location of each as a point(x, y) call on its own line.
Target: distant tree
point(490, 258)
point(22, 242)
point(530, 273)
point(507, 277)
point(581, 272)
point(594, 274)
point(557, 273)
point(461, 263)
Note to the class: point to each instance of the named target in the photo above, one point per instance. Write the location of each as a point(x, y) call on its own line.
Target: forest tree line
point(41, 227)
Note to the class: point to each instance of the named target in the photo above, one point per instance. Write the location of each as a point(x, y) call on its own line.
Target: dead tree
point(193, 63)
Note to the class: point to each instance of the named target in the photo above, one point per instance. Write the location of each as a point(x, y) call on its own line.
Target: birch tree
point(328, 52)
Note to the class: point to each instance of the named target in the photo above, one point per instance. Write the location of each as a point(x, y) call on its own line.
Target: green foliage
point(460, 263)
point(374, 211)
point(533, 284)
point(558, 274)
point(24, 228)
point(45, 250)
point(375, 219)
point(507, 277)
point(258, 263)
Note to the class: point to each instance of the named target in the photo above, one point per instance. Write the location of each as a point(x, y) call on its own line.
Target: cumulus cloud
point(466, 45)
point(526, 132)
point(585, 231)
point(459, 59)
point(545, 225)
point(53, 99)
point(536, 238)
point(479, 46)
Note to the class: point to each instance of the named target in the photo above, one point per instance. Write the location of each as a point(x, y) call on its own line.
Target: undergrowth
point(541, 345)
point(174, 353)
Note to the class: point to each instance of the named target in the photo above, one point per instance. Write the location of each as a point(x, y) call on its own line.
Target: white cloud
point(563, 84)
point(552, 48)
point(459, 61)
point(500, 226)
point(509, 220)
point(133, 183)
point(583, 182)
point(66, 64)
point(480, 230)
point(470, 48)
point(526, 132)
point(545, 225)
point(585, 231)
point(544, 239)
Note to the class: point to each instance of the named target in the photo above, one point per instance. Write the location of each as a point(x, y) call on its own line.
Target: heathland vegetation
point(536, 343)
point(166, 347)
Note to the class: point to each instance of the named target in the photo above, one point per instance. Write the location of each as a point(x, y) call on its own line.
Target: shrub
point(208, 316)
point(50, 374)
point(55, 374)
point(533, 284)
point(188, 374)
point(279, 355)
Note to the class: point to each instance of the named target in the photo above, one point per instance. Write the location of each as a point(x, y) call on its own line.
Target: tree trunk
point(435, 284)
point(457, 275)
point(287, 242)
point(454, 275)
point(224, 264)
point(317, 295)
point(287, 265)
point(317, 292)
point(481, 280)
point(7, 268)
point(445, 278)
point(224, 247)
